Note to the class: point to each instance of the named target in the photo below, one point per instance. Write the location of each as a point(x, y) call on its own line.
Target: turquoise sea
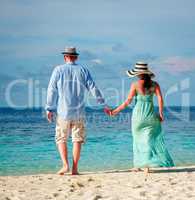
point(27, 141)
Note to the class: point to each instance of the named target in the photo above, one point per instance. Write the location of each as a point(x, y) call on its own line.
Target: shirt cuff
point(50, 109)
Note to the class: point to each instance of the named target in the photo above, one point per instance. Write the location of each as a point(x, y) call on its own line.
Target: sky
point(110, 35)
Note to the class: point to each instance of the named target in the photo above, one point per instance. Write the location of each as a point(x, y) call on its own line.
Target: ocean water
point(27, 140)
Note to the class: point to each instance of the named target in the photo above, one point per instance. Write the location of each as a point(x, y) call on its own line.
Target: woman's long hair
point(147, 81)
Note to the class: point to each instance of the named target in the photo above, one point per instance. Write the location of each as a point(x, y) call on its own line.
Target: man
point(65, 95)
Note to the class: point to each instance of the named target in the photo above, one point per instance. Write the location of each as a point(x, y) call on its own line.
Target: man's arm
point(52, 95)
point(91, 86)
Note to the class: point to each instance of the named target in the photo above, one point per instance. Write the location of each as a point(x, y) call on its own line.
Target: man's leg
point(63, 150)
point(61, 137)
point(76, 156)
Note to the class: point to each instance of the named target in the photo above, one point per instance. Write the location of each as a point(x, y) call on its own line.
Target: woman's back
point(140, 89)
point(144, 107)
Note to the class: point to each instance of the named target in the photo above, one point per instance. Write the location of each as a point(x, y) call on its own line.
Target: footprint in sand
point(80, 184)
point(98, 186)
point(173, 183)
point(48, 197)
point(55, 194)
point(97, 197)
point(137, 186)
point(21, 190)
point(90, 179)
point(72, 185)
point(71, 190)
point(143, 193)
point(190, 188)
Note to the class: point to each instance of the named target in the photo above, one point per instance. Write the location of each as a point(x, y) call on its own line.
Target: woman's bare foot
point(146, 172)
point(135, 170)
point(63, 170)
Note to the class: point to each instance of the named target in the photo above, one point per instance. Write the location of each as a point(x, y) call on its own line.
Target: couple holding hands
point(65, 96)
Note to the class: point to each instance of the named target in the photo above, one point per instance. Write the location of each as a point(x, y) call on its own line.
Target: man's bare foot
point(135, 170)
point(75, 173)
point(75, 170)
point(63, 170)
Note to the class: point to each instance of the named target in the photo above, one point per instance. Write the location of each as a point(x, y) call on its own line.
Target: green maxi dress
point(148, 143)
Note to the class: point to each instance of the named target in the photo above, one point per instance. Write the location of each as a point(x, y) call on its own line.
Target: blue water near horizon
point(27, 140)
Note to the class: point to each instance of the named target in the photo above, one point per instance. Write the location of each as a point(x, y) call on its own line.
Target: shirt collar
point(70, 63)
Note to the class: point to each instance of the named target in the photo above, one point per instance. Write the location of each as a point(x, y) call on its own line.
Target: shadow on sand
point(152, 170)
point(173, 170)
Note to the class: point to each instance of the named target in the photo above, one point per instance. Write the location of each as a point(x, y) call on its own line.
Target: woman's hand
point(161, 116)
point(108, 111)
point(114, 112)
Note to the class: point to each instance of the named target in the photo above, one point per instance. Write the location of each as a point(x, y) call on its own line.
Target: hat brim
point(70, 54)
point(132, 74)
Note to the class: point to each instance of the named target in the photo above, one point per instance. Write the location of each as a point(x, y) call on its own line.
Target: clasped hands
point(110, 112)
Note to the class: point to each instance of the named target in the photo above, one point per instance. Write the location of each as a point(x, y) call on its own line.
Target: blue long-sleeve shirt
point(66, 91)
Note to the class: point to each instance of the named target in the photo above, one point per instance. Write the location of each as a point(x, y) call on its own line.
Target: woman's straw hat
point(140, 68)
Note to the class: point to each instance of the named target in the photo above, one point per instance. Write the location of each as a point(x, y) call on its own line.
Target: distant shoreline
point(92, 108)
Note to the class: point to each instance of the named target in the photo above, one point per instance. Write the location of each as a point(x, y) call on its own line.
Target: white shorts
point(66, 127)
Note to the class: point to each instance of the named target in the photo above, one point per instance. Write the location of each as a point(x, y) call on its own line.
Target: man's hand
point(108, 111)
point(49, 116)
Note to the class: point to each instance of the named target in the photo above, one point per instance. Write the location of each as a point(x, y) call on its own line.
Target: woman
point(148, 144)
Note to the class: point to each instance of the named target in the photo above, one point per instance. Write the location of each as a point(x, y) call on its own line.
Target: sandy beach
point(177, 183)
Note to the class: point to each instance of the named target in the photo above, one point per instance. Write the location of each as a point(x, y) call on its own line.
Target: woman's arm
point(127, 102)
point(160, 101)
